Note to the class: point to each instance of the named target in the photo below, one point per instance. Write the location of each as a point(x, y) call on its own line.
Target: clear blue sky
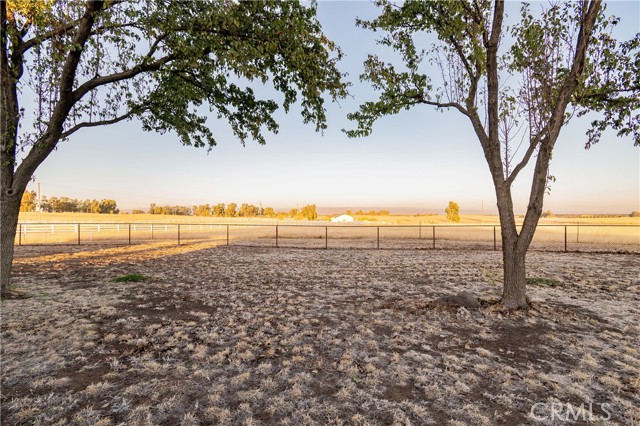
point(419, 159)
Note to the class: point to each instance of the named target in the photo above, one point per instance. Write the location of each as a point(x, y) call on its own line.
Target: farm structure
point(343, 218)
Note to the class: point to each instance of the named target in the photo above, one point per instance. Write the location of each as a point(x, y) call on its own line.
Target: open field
point(428, 219)
point(250, 335)
point(555, 237)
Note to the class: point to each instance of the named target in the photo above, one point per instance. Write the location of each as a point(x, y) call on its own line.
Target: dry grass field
point(619, 234)
point(256, 336)
point(428, 219)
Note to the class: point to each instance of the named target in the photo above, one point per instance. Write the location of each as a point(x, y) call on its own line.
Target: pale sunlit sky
point(419, 159)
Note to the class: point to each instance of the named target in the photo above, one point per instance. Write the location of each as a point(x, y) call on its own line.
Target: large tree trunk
point(8, 225)
point(14, 180)
point(514, 291)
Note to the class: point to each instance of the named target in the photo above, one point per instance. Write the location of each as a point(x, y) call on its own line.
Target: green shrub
point(129, 278)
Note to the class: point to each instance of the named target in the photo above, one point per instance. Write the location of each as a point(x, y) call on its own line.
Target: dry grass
point(474, 231)
point(249, 335)
point(428, 219)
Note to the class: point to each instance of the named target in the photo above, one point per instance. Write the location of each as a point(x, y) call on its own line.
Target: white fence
point(606, 238)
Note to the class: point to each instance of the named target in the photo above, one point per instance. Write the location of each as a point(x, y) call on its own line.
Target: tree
point(97, 63)
point(218, 210)
point(61, 205)
point(164, 210)
point(231, 210)
point(453, 211)
point(269, 212)
point(550, 66)
point(248, 210)
point(28, 203)
point(253, 211)
point(109, 206)
point(202, 210)
point(309, 212)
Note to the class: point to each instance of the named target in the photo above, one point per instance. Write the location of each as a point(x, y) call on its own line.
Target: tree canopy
point(533, 60)
point(168, 63)
point(518, 83)
point(453, 211)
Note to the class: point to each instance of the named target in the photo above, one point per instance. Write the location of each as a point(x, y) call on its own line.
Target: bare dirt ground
point(253, 335)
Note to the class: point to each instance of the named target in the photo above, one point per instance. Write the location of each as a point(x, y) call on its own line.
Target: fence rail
point(574, 237)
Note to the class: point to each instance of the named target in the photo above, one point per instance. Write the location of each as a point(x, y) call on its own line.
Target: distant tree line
point(65, 204)
point(173, 210)
point(308, 212)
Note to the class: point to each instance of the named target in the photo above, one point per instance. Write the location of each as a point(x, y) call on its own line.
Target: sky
point(415, 161)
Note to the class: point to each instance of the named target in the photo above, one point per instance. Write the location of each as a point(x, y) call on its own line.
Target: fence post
point(19, 234)
point(276, 236)
point(578, 234)
point(494, 239)
point(152, 231)
point(433, 228)
point(129, 234)
point(78, 229)
point(227, 234)
point(378, 237)
point(178, 234)
point(565, 238)
point(420, 230)
point(326, 237)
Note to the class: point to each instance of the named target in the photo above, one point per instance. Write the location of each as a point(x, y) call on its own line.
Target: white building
point(343, 218)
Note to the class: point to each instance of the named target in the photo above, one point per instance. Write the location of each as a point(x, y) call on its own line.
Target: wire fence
point(587, 238)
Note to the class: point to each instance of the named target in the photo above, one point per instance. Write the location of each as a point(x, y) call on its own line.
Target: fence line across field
point(573, 237)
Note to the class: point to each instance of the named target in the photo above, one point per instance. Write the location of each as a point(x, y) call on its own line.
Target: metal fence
point(598, 238)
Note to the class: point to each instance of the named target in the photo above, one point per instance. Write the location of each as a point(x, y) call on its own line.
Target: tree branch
point(98, 123)
point(8, 106)
point(525, 160)
point(496, 25)
point(588, 19)
point(17, 58)
point(492, 150)
point(455, 105)
point(48, 35)
point(124, 75)
point(590, 15)
point(58, 31)
point(604, 94)
point(155, 45)
point(48, 141)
